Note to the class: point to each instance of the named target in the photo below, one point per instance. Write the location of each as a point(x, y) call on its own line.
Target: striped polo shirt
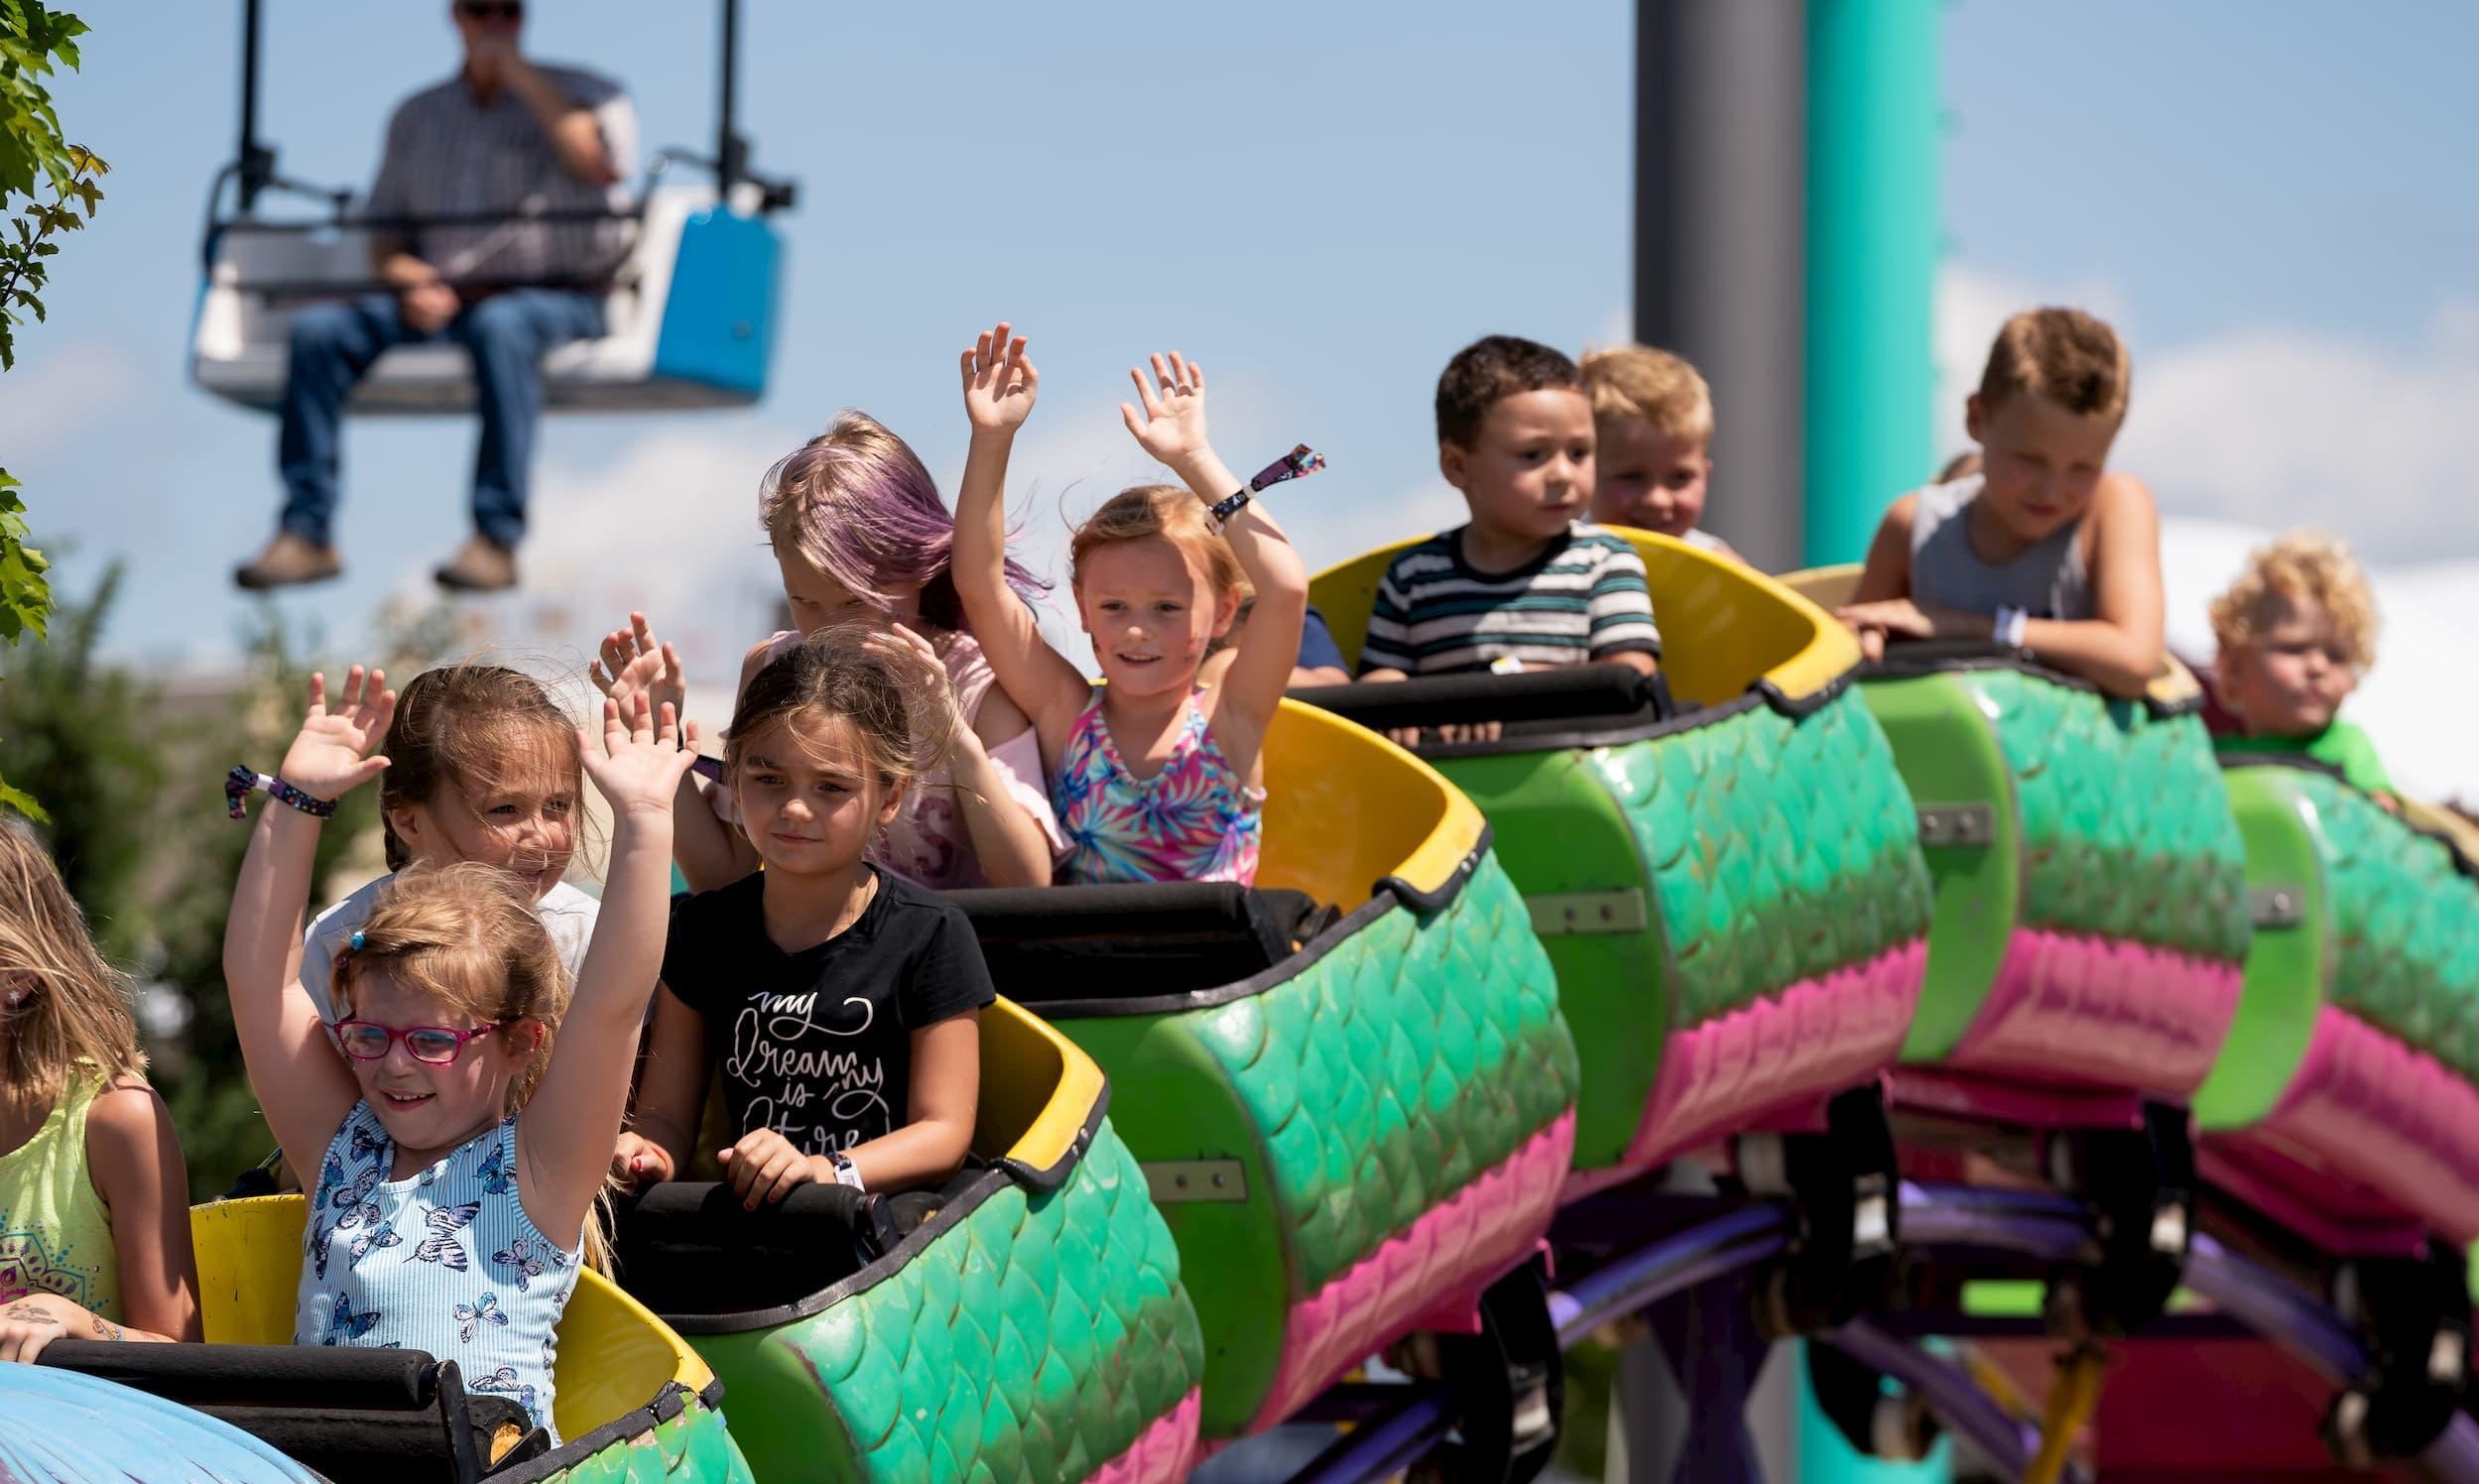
point(1582, 600)
point(450, 154)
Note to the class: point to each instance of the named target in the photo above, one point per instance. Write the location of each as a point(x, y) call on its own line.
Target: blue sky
point(1321, 203)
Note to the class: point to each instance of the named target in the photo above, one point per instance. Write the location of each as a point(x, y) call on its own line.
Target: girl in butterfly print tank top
point(445, 1119)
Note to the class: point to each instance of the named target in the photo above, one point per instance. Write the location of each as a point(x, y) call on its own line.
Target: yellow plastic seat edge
point(1015, 1043)
point(1812, 652)
point(249, 1256)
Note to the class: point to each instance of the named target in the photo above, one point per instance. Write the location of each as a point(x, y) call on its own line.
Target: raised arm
point(303, 1087)
point(1000, 384)
point(565, 1136)
point(1171, 427)
point(632, 661)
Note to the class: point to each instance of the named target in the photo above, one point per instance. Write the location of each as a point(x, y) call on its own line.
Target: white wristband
point(847, 1172)
point(2010, 627)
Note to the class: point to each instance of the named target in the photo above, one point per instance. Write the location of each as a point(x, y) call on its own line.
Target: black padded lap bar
point(1585, 692)
point(1047, 945)
point(385, 1416)
point(293, 1376)
point(687, 1247)
point(373, 1447)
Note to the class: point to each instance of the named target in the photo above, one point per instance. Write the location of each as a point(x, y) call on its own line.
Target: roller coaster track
point(1396, 1426)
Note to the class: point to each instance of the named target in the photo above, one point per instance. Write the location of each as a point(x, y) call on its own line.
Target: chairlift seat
point(689, 316)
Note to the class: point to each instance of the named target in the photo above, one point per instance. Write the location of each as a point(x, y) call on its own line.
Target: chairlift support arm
point(253, 167)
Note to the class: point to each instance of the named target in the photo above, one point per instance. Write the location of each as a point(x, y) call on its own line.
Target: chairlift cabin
point(689, 294)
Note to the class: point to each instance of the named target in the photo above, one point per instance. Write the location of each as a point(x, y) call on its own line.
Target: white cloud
point(53, 399)
point(666, 526)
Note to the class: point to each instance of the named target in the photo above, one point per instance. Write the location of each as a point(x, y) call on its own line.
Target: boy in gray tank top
point(2040, 549)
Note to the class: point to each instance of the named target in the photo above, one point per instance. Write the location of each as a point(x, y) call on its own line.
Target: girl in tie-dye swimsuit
point(1153, 778)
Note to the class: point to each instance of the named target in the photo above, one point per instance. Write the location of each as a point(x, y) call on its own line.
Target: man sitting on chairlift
point(503, 139)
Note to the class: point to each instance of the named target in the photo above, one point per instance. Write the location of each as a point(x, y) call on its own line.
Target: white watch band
point(846, 1173)
point(2010, 627)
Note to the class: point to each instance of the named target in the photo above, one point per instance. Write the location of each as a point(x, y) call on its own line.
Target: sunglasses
point(433, 1045)
point(491, 10)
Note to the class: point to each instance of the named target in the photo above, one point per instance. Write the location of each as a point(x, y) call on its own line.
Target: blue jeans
point(333, 346)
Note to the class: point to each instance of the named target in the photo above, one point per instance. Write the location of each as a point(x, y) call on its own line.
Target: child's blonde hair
point(464, 934)
point(1638, 381)
point(78, 1015)
point(899, 721)
point(1170, 513)
point(2303, 565)
point(2073, 359)
point(465, 724)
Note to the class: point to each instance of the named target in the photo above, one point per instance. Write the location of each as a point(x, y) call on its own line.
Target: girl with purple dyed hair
point(862, 539)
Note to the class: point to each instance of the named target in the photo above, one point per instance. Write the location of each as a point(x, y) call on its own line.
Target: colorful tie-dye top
point(445, 1262)
point(1194, 820)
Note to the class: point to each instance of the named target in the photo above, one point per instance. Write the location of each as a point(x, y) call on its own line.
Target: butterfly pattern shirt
point(445, 1260)
point(1194, 820)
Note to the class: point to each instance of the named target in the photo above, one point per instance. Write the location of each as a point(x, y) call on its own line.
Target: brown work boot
point(484, 566)
point(288, 562)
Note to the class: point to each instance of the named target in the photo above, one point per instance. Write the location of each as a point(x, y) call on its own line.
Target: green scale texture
point(691, 1448)
point(2408, 924)
point(1781, 850)
point(1416, 1054)
point(2126, 830)
point(1030, 1344)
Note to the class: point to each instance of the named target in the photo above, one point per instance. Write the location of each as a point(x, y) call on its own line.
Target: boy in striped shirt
point(1527, 584)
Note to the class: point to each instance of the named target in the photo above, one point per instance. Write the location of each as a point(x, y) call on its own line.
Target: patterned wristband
point(1300, 463)
point(1224, 509)
point(240, 783)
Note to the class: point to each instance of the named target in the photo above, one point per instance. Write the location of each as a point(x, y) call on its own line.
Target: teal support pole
point(1873, 95)
point(1873, 102)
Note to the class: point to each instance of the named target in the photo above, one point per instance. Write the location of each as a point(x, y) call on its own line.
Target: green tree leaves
point(47, 188)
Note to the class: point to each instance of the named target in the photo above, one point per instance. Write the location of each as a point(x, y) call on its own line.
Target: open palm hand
point(999, 383)
point(640, 758)
point(1172, 426)
point(335, 751)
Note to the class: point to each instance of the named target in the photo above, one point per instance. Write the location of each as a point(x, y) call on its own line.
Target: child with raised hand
point(861, 537)
point(1154, 778)
point(2043, 549)
point(1652, 454)
point(482, 767)
point(93, 1193)
point(1527, 583)
point(2297, 631)
point(840, 1001)
point(461, 1131)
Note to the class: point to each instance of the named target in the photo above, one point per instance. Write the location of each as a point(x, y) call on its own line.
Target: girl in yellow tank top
point(94, 1204)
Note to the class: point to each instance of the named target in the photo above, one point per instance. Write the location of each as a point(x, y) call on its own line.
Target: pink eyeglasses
point(433, 1045)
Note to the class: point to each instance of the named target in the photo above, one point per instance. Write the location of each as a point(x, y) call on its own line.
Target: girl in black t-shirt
point(840, 1003)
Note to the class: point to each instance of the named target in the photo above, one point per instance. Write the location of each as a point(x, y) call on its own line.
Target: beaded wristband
point(240, 782)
